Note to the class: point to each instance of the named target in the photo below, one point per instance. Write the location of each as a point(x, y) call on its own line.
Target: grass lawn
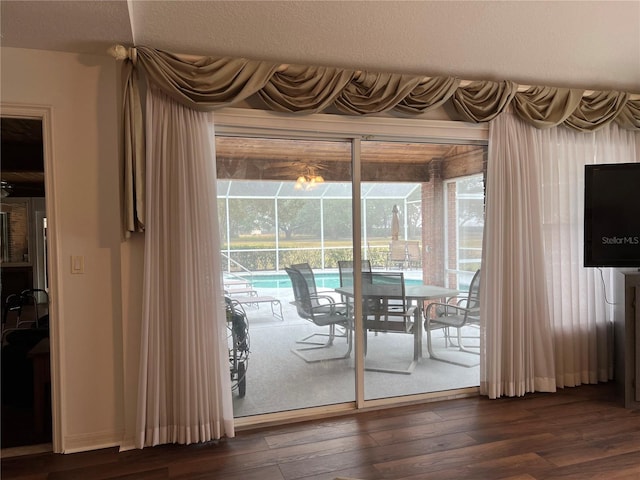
point(471, 239)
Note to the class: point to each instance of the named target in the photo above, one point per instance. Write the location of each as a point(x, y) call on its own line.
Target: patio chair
point(386, 308)
point(414, 255)
point(397, 255)
point(386, 301)
point(321, 310)
point(307, 272)
point(345, 268)
point(445, 316)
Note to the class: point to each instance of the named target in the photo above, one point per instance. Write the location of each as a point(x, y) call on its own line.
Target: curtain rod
point(120, 52)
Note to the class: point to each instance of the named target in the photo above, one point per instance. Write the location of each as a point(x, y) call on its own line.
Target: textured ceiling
point(585, 44)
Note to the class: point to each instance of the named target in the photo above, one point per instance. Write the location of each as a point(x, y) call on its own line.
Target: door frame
point(331, 127)
point(45, 115)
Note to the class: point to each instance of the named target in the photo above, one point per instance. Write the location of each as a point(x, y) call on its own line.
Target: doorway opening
point(26, 377)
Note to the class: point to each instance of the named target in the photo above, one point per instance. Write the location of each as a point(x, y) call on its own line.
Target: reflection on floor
point(278, 380)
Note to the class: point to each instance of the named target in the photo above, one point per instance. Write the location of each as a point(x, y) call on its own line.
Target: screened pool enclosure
point(269, 225)
point(315, 222)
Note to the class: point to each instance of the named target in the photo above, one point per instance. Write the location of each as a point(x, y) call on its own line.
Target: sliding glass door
point(287, 201)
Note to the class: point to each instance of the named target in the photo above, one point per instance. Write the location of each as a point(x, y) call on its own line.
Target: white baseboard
point(92, 441)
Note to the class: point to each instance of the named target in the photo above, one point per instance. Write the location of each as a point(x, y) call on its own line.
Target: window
point(464, 210)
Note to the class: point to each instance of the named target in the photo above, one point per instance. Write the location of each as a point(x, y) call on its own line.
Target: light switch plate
point(77, 264)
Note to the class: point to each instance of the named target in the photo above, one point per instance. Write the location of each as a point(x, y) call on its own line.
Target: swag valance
point(209, 83)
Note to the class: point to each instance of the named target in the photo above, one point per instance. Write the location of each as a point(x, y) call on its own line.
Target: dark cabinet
point(627, 338)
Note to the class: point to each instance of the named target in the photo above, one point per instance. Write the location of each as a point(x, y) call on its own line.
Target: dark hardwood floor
point(577, 433)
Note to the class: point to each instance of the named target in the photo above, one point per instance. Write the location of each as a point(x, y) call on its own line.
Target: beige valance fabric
point(483, 101)
point(546, 107)
point(208, 83)
point(597, 110)
point(204, 83)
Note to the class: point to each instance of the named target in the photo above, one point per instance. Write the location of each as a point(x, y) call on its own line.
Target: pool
point(323, 280)
point(281, 280)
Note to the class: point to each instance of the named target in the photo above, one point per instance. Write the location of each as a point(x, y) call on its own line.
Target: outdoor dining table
point(417, 295)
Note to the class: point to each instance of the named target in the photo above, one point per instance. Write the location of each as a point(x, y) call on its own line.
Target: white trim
point(127, 443)
point(241, 121)
point(287, 416)
point(93, 441)
point(45, 113)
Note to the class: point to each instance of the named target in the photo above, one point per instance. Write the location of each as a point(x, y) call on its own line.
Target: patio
point(278, 380)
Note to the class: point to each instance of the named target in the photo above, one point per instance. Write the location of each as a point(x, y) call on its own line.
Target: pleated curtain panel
point(170, 170)
point(517, 347)
point(184, 387)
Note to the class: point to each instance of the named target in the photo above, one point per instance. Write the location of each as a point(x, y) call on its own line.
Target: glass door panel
point(286, 202)
point(406, 214)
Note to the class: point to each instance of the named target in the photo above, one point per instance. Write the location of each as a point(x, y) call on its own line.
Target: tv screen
point(612, 215)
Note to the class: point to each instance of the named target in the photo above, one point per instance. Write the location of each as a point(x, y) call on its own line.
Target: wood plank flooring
point(578, 433)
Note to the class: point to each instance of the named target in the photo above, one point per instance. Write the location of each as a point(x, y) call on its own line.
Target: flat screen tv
point(612, 215)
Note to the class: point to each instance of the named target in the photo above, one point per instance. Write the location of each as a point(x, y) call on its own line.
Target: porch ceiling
point(283, 159)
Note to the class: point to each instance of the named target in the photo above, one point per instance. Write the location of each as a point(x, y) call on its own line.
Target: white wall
point(83, 93)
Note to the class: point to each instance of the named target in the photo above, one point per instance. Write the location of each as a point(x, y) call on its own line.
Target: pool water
point(323, 280)
point(281, 280)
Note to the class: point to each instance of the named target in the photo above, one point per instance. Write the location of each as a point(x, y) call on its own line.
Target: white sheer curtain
point(517, 350)
point(184, 391)
point(580, 316)
point(546, 321)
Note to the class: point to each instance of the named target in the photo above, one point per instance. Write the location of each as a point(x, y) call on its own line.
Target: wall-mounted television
point(612, 215)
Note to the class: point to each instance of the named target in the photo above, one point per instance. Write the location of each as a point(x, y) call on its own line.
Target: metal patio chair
point(321, 310)
point(446, 316)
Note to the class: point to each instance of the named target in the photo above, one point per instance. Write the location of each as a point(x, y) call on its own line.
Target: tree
point(337, 219)
point(470, 193)
point(259, 213)
point(414, 218)
point(235, 216)
point(379, 217)
point(296, 215)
